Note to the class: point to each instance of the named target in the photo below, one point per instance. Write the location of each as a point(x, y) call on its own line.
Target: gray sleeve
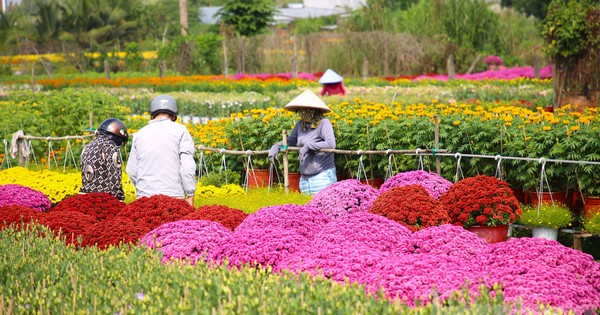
point(327, 135)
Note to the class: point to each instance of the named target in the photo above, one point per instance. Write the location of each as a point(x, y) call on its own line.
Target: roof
point(283, 15)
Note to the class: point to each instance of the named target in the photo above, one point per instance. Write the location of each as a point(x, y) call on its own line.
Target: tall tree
point(248, 17)
point(183, 17)
point(537, 8)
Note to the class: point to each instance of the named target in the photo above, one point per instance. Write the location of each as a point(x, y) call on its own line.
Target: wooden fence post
point(107, 69)
point(365, 69)
point(437, 143)
point(450, 65)
point(286, 173)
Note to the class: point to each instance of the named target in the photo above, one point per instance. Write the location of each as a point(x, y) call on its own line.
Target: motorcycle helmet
point(115, 130)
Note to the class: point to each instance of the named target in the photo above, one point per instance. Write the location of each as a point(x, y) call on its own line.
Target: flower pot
point(520, 194)
point(590, 203)
point(559, 197)
point(491, 234)
point(544, 232)
point(258, 178)
point(294, 181)
point(374, 182)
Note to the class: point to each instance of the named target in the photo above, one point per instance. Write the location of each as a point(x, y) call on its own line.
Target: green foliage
point(221, 178)
point(257, 198)
point(197, 54)
point(592, 224)
point(133, 57)
point(551, 215)
point(536, 8)
point(564, 29)
point(248, 17)
point(57, 113)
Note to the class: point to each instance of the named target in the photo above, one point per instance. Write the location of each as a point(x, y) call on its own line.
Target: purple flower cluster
point(304, 219)
point(343, 197)
point(371, 230)
point(413, 278)
point(13, 194)
point(258, 247)
point(446, 239)
point(507, 255)
point(350, 261)
point(186, 239)
point(492, 59)
point(433, 183)
point(504, 74)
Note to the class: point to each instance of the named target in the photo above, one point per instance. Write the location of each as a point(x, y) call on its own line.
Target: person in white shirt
point(161, 161)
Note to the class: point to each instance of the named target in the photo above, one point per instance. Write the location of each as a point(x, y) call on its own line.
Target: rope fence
point(25, 154)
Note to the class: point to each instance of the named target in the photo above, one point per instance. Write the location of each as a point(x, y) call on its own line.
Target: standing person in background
point(162, 155)
point(333, 83)
point(312, 132)
point(101, 160)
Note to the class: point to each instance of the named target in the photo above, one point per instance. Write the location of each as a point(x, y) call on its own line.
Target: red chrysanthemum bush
point(18, 216)
point(481, 200)
point(101, 206)
point(155, 211)
point(411, 206)
point(68, 225)
point(228, 217)
point(115, 231)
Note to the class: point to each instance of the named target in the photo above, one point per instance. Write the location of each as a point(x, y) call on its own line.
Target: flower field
point(352, 248)
point(400, 257)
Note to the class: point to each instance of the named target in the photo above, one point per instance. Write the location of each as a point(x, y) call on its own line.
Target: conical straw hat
point(307, 99)
point(330, 76)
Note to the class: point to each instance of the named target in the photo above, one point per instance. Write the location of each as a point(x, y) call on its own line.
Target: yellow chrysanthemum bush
point(57, 186)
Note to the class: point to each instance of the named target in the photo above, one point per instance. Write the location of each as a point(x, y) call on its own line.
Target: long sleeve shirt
point(101, 168)
point(162, 160)
point(312, 162)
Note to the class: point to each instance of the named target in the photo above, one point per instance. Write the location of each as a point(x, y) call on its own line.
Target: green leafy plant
point(592, 223)
point(551, 215)
point(221, 178)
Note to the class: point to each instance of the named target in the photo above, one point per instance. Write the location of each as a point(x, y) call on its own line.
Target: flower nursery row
point(405, 241)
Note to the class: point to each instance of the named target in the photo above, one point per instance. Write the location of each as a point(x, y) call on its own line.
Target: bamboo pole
point(286, 173)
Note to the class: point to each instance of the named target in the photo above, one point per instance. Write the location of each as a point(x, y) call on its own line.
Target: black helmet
point(115, 130)
point(163, 104)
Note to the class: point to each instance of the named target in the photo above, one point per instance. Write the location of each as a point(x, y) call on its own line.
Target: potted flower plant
point(546, 219)
point(482, 204)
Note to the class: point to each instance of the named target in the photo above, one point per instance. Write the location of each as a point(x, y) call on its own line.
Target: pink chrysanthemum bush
point(18, 195)
point(156, 210)
point(481, 200)
point(18, 216)
point(371, 230)
point(303, 219)
point(349, 261)
point(413, 278)
point(188, 240)
point(70, 225)
point(410, 206)
point(433, 183)
point(343, 197)
point(258, 247)
point(507, 255)
point(445, 239)
point(101, 206)
point(228, 217)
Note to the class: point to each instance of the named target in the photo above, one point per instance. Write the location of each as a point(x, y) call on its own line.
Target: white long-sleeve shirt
point(162, 160)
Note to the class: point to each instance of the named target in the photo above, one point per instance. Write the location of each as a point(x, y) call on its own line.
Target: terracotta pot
point(491, 234)
point(591, 203)
point(294, 181)
point(520, 194)
point(558, 197)
point(374, 182)
point(258, 178)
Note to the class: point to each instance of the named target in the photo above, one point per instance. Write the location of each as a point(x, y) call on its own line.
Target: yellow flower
point(456, 122)
point(574, 128)
point(547, 128)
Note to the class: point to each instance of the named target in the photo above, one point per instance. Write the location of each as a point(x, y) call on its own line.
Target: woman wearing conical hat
point(312, 133)
point(332, 83)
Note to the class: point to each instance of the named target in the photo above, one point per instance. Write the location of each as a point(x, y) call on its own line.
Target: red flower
point(411, 206)
point(69, 225)
point(17, 216)
point(113, 232)
point(101, 206)
point(156, 210)
point(481, 200)
point(228, 217)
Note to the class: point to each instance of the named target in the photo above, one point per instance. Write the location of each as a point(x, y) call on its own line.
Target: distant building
point(307, 9)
